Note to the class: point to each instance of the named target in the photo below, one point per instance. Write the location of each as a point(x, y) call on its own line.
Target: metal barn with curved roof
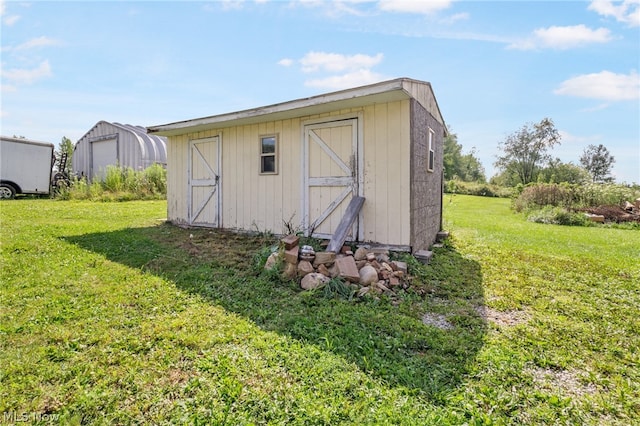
point(116, 144)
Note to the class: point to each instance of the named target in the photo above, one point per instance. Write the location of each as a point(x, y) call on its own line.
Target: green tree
point(465, 167)
point(451, 156)
point(65, 146)
point(559, 172)
point(598, 162)
point(470, 168)
point(525, 151)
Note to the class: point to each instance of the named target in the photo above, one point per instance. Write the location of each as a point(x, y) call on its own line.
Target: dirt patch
point(437, 320)
point(508, 318)
point(613, 214)
point(566, 382)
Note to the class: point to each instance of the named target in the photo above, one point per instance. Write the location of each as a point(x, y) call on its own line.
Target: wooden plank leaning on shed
point(338, 238)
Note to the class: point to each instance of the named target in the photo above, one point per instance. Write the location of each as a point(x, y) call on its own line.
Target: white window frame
point(273, 154)
point(431, 154)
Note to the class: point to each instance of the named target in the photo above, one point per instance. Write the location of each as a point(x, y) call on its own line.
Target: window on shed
point(269, 154)
point(431, 159)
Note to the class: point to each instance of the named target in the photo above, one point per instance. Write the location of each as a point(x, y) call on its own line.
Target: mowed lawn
point(110, 316)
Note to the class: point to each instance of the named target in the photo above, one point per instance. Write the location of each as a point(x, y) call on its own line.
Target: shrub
point(543, 194)
point(594, 194)
point(476, 188)
point(558, 216)
point(119, 184)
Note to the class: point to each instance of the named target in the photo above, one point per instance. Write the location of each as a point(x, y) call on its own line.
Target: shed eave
point(387, 91)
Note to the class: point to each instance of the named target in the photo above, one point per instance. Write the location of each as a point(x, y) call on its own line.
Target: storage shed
point(118, 144)
point(298, 164)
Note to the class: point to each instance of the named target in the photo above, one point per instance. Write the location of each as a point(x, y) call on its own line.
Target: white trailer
point(25, 166)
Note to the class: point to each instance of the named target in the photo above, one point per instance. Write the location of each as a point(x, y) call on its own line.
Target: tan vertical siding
point(251, 200)
point(386, 174)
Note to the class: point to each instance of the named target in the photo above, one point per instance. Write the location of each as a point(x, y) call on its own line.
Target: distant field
point(110, 316)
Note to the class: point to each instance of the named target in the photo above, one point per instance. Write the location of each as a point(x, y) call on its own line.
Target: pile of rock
point(366, 269)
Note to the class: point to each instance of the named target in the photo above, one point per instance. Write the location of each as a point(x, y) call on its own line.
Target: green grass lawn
point(110, 316)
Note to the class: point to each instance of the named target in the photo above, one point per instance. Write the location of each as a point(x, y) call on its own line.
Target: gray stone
point(400, 266)
point(424, 256)
point(368, 275)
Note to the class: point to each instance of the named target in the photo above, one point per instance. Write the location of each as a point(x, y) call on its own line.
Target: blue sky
point(494, 66)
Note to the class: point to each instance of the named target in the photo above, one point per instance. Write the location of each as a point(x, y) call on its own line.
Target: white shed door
point(331, 175)
point(204, 182)
point(103, 153)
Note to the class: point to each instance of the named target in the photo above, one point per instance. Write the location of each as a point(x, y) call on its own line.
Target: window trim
point(431, 154)
point(273, 154)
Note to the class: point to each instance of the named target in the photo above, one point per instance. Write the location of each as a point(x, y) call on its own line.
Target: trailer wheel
point(60, 180)
point(7, 191)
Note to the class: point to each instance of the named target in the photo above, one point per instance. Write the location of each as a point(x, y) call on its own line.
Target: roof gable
point(387, 91)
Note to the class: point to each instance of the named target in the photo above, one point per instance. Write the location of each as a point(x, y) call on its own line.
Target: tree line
point(525, 157)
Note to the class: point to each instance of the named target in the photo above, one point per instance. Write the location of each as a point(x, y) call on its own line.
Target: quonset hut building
point(117, 144)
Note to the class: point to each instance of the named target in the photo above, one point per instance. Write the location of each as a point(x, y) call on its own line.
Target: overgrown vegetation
point(109, 316)
point(119, 184)
point(564, 204)
point(477, 188)
point(574, 196)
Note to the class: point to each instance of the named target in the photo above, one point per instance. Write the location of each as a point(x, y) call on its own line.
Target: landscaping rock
point(290, 241)
point(442, 235)
point(360, 254)
point(304, 268)
point(290, 271)
point(291, 255)
point(324, 258)
point(424, 256)
point(347, 269)
point(313, 280)
point(363, 291)
point(380, 285)
point(322, 269)
point(271, 262)
point(595, 217)
point(368, 275)
point(400, 266)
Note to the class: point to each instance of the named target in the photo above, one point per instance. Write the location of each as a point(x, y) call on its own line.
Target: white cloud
point(351, 79)
point(455, 18)
point(425, 7)
point(334, 8)
point(232, 4)
point(7, 20)
point(604, 85)
point(27, 76)
point(286, 62)
point(37, 42)
point(562, 38)
point(343, 70)
point(627, 11)
point(335, 62)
